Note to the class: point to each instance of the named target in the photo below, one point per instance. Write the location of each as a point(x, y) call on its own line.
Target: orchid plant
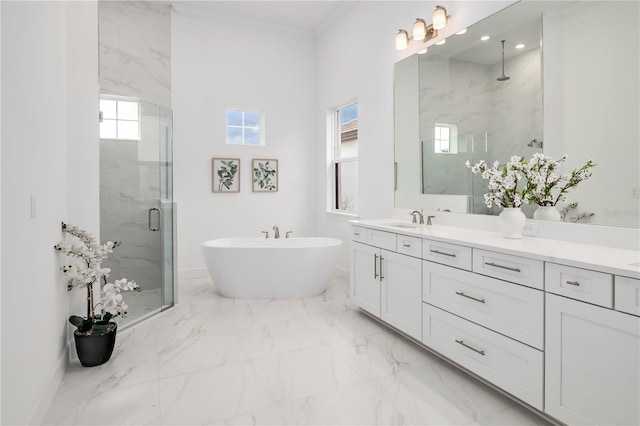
point(549, 187)
point(85, 272)
point(505, 182)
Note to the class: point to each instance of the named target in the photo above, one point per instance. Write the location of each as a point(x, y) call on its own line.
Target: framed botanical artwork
point(265, 175)
point(225, 174)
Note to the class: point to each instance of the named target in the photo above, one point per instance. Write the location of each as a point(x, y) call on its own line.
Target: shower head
point(503, 77)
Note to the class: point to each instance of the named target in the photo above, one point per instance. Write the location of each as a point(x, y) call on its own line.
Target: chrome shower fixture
point(535, 143)
point(503, 77)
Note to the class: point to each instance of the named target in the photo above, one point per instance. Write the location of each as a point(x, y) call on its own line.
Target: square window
point(245, 127)
point(127, 110)
point(108, 108)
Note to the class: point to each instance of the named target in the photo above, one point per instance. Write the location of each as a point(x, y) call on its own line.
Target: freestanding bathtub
point(261, 268)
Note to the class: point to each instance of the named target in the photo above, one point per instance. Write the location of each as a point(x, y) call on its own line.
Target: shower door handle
point(154, 228)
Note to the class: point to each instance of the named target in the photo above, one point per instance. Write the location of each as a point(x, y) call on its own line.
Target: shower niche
point(136, 200)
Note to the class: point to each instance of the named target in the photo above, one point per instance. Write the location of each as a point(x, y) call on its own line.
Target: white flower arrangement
point(85, 271)
point(548, 187)
point(504, 182)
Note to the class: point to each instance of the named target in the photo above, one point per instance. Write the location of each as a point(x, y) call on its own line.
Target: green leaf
point(83, 325)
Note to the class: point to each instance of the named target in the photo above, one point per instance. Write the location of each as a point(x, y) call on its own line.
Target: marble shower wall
point(135, 49)
point(135, 61)
point(494, 119)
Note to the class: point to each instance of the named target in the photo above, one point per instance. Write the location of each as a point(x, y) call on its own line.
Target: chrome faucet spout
point(276, 232)
point(413, 213)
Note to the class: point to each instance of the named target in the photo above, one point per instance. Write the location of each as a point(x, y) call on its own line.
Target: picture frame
point(265, 175)
point(225, 174)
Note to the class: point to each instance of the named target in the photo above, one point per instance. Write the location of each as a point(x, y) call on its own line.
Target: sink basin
point(403, 225)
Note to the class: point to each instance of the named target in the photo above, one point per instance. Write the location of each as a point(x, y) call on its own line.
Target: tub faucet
point(276, 232)
point(413, 213)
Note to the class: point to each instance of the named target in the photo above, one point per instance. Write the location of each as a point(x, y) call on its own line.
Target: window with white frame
point(119, 119)
point(245, 127)
point(446, 138)
point(344, 166)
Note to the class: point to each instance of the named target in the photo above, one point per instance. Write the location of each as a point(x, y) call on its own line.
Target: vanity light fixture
point(439, 18)
point(402, 40)
point(421, 31)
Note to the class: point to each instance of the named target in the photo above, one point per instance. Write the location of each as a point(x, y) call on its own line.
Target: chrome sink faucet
point(276, 232)
point(413, 214)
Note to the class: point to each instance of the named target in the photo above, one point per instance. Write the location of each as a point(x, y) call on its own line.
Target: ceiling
point(300, 16)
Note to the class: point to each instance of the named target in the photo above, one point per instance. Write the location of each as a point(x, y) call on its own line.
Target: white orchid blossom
point(86, 271)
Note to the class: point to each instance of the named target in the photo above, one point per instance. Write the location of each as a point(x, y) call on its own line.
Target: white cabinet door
point(592, 364)
point(402, 293)
point(365, 280)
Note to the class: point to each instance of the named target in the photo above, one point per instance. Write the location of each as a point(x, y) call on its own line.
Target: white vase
point(512, 222)
point(547, 213)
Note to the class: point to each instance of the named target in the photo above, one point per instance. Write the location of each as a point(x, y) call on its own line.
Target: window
point(345, 159)
point(245, 127)
point(119, 119)
point(446, 138)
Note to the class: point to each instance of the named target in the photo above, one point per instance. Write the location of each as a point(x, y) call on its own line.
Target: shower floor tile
point(214, 360)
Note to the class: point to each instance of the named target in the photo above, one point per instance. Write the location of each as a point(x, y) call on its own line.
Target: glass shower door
point(136, 200)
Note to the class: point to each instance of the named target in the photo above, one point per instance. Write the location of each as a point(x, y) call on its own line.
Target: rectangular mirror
point(576, 94)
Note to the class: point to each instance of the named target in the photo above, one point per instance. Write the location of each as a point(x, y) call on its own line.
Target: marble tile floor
point(211, 360)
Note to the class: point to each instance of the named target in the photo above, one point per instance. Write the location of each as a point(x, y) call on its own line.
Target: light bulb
point(419, 30)
point(485, 38)
point(439, 18)
point(519, 46)
point(402, 40)
point(441, 42)
point(464, 31)
point(422, 52)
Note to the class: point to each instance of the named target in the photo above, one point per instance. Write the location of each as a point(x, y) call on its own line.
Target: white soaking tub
point(261, 268)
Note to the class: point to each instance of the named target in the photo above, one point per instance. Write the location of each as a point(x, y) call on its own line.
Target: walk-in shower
point(136, 200)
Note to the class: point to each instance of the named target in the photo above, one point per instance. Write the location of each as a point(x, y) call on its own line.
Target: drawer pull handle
point(461, 342)
point(375, 266)
point(357, 234)
point(440, 252)
point(459, 293)
point(502, 266)
point(381, 277)
point(576, 283)
point(406, 245)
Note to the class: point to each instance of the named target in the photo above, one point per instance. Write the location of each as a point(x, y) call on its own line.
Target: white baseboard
point(342, 272)
point(192, 273)
point(46, 398)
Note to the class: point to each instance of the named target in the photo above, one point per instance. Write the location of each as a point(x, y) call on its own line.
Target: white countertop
point(599, 258)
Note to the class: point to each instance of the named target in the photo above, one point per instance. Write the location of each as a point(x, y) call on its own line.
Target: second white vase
point(549, 213)
point(512, 221)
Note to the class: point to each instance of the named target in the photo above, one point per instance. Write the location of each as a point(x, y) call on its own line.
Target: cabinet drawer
point(521, 270)
point(510, 365)
point(513, 310)
point(627, 295)
point(581, 284)
point(358, 234)
point(384, 240)
point(409, 245)
point(448, 254)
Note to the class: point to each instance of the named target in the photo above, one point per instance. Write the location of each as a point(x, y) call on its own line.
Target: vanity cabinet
point(559, 333)
point(492, 327)
point(592, 358)
point(386, 283)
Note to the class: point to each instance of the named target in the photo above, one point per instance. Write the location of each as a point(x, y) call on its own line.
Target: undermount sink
point(403, 225)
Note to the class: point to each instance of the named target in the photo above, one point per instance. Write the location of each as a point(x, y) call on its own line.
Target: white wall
point(355, 59)
point(49, 80)
point(216, 65)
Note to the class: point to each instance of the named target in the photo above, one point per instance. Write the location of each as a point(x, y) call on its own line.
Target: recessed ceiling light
point(462, 32)
point(441, 42)
point(485, 38)
point(422, 52)
point(519, 46)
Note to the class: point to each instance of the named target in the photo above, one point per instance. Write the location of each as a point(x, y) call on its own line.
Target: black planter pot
point(95, 349)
